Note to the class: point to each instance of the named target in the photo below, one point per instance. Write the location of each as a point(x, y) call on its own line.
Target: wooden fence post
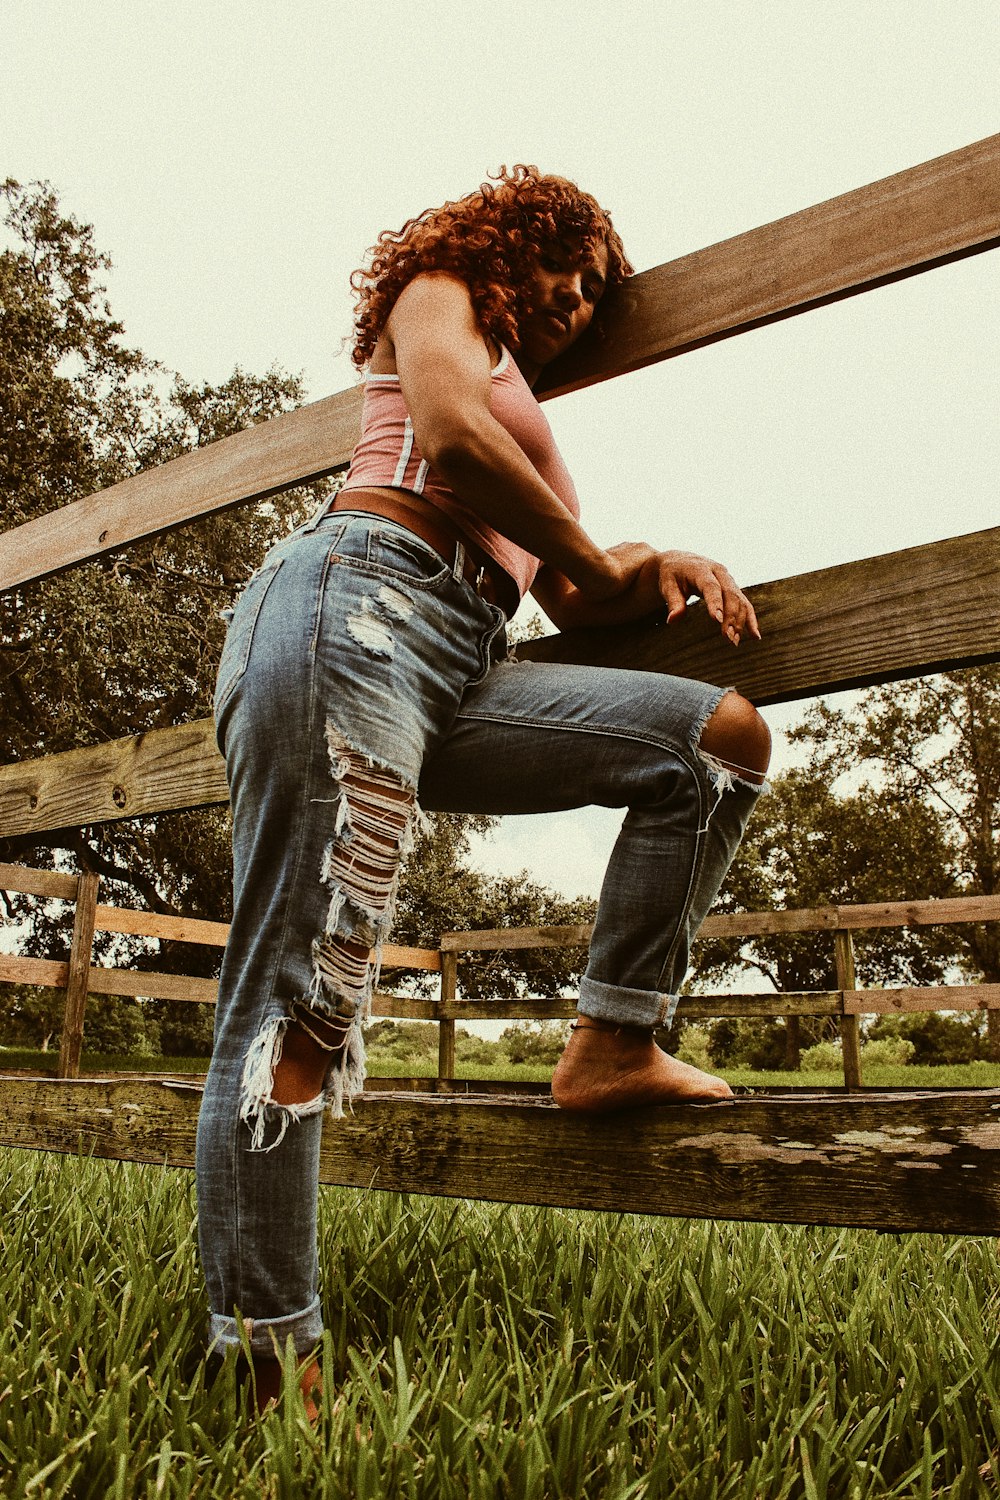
point(79, 974)
point(446, 1029)
point(850, 1033)
point(793, 1044)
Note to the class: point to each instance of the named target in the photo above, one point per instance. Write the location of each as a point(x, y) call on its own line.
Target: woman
point(364, 667)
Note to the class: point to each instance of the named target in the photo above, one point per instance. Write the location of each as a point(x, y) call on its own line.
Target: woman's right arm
point(444, 371)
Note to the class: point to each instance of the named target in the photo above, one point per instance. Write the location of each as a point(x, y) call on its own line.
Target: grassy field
point(482, 1351)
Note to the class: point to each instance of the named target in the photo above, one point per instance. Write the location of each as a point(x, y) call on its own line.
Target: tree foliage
point(899, 800)
point(131, 641)
point(441, 893)
point(934, 743)
point(807, 846)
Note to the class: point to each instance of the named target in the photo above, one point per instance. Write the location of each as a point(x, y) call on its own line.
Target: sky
point(236, 160)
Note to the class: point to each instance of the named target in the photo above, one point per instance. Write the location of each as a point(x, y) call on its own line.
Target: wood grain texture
point(925, 216)
point(146, 773)
point(37, 882)
point(850, 1027)
point(288, 450)
point(922, 217)
point(903, 614)
point(940, 997)
point(77, 972)
point(899, 615)
point(499, 939)
point(137, 923)
point(864, 915)
point(446, 1025)
point(898, 1161)
point(47, 972)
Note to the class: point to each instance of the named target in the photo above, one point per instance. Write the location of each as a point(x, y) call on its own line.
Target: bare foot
point(607, 1067)
point(267, 1385)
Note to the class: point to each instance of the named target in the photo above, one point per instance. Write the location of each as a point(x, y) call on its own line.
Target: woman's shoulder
point(433, 288)
point(435, 307)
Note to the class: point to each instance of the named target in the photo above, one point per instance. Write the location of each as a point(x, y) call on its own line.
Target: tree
point(920, 820)
point(805, 847)
point(440, 893)
point(936, 741)
point(31, 1016)
point(129, 642)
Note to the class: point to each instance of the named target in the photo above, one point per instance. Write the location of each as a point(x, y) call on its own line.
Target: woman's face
point(565, 288)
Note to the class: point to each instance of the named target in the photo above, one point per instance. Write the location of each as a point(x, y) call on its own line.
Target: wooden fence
point(908, 1160)
point(80, 978)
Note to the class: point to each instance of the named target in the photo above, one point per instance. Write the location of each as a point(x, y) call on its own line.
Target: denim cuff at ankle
point(615, 1002)
point(267, 1337)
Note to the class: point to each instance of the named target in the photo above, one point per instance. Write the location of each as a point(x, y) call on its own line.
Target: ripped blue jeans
point(360, 672)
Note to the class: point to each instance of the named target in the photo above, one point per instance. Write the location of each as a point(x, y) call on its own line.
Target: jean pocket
point(392, 552)
point(239, 636)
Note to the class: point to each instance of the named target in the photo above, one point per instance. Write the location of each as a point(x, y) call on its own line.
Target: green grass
point(476, 1351)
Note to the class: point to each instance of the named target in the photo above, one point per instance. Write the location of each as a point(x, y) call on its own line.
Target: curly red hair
point(491, 239)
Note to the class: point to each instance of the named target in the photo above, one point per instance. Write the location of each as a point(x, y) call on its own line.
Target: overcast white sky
point(237, 159)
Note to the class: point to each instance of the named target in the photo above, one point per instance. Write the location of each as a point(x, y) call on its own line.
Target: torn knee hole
point(277, 1089)
point(736, 739)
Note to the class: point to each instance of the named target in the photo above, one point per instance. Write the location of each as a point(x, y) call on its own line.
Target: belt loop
point(458, 568)
point(328, 504)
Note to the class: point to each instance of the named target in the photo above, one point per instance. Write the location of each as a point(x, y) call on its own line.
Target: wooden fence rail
point(80, 978)
point(939, 211)
point(904, 1161)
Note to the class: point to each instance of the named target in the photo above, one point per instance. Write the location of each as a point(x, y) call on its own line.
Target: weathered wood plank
point(446, 1025)
point(850, 1027)
point(166, 768)
point(215, 934)
point(77, 973)
point(925, 216)
point(895, 1161)
point(29, 882)
point(689, 1008)
point(396, 956)
point(505, 938)
point(863, 916)
point(54, 973)
point(904, 614)
point(940, 997)
point(153, 986)
point(47, 972)
point(288, 450)
point(151, 924)
point(899, 615)
point(475, 1086)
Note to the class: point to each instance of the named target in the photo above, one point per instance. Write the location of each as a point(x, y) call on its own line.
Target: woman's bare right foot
point(607, 1067)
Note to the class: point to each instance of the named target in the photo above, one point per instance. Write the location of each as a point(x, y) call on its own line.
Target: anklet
point(608, 1028)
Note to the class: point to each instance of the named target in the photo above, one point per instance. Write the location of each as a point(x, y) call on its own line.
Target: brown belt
point(486, 576)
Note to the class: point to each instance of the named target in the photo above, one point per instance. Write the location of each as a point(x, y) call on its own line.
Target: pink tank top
point(387, 456)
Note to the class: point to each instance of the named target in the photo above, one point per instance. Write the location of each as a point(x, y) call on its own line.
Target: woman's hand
point(640, 582)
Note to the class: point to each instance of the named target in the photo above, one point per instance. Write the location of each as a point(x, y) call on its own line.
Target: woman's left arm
point(659, 580)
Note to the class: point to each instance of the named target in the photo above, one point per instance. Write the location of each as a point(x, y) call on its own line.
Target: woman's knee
point(737, 736)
